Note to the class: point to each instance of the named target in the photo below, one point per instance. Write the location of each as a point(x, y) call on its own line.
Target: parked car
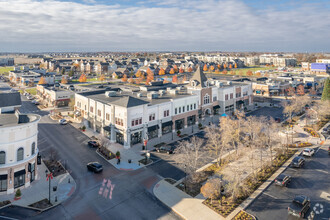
point(94, 167)
point(278, 120)
point(93, 143)
point(30, 97)
point(308, 152)
point(282, 180)
point(299, 206)
point(165, 149)
point(63, 121)
point(298, 162)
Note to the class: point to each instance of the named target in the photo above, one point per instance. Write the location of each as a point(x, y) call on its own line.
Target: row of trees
point(219, 67)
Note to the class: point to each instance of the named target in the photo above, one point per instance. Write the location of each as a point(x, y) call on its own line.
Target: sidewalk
point(39, 189)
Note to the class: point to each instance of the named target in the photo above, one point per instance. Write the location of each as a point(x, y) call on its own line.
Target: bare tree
point(217, 142)
point(103, 141)
point(212, 188)
point(191, 154)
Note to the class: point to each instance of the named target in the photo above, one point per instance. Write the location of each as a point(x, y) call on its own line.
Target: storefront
point(179, 124)
point(107, 131)
point(32, 171)
point(3, 182)
point(136, 137)
point(216, 109)
point(191, 120)
point(19, 178)
point(153, 131)
point(119, 138)
point(167, 127)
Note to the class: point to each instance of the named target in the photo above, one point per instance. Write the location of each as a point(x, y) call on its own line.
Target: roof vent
point(110, 93)
point(138, 95)
point(152, 95)
point(173, 92)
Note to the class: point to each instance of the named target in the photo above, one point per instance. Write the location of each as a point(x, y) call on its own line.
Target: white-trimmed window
point(2, 157)
point(33, 148)
point(152, 117)
point(206, 99)
point(20, 154)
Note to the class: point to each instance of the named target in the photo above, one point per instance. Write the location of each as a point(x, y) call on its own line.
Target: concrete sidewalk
point(183, 204)
point(39, 189)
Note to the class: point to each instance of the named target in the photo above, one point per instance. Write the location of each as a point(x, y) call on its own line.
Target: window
point(238, 95)
point(3, 183)
point(214, 98)
point(183, 109)
point(99, 113)
point(231, 95)
point(195, 106)
point(166, 113)
point(20, 154)
point(119, 121)
point(151, 117)
point(245, 93)
point(136, 121)
point(176, 111)
point(33, 148)
point(206, 99)
point(187, 108)
point(107, 116)
point(85, 107)
point(226, 97)
point(2, 157)
point(19, 178)
point(191, 107)
point(179, 110)
point(91, 109)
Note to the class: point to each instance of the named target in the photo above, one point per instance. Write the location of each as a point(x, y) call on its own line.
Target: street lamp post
point(49, 178)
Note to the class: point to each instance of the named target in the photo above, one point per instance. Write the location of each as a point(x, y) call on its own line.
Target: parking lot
point(268, 112)
point(311, 180)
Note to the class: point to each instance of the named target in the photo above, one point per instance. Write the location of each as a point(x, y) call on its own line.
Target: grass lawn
point(245, 70)
point(32, 91)
point(5, 69)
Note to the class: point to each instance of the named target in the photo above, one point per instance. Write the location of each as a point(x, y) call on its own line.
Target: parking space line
point(274, 197)
point(323, 171)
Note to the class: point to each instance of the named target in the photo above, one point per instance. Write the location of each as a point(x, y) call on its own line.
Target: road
point(312, 180)
point(132, 196)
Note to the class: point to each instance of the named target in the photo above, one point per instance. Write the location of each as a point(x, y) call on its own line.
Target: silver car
point(308, 152)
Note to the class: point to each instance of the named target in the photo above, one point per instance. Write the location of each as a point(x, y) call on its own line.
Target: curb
point(270, 180)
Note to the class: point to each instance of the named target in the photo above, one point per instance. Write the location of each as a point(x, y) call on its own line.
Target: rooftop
point(10, 119)
point(10, 99)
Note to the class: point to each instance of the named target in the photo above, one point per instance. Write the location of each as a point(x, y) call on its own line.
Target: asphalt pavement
point(311, 180)
point(131, 191)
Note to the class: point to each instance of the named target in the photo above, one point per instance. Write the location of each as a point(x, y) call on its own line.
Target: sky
point(164, 25)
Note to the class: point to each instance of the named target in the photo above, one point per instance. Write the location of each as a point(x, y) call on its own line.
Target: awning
point(153, 128)
point(258, 91)
point(216, 107)
point(19, 173)
point(169, 123)
point(3, 177)
point(240, 102)
point(107, 128)
point(224, 115)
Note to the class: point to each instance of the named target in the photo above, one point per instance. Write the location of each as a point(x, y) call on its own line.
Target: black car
point(95, 167)
point(299, 206)
point(298, 162)
point(93, 143)
point(282, 180)
point(165, 149)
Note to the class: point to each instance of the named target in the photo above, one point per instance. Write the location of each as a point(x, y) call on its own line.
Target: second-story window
point(226, 97)
point(107, 116)
point(179, 110)
point(176, 111)
point(214, 98)
point(151, 117)
point(206, 99)
point(166, 113)
point(99, 113)
point(92, 109)
point(194, 105)
point(183, 109)
point(231, 95)
point(187, 108)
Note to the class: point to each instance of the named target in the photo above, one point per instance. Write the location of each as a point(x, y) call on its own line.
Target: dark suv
point(299, 206)
point(298, 162)
point(165, 149)
point(94, 167)
point(93, 143)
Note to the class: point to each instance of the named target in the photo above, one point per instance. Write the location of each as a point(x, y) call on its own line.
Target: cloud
point(29, 25)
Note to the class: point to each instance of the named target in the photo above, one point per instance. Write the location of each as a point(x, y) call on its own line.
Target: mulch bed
point(144, 162)
point(55, 167)
point(42, 204)
point(243, 215)
point(3, 203)
point(170, 181)
point(106, 153)
point(253, 183)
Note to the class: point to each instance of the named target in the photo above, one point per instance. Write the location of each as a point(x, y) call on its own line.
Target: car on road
point(308, 152)
point(165, 149)
point(282, 180)
point(62, 121)
point(298, 162)
point(299, 206)
point(93, 143)
point(94, 167)
point(30, 97)
point(35, 102)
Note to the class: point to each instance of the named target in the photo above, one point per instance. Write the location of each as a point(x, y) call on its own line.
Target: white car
point(308, 152)
point(63, 121)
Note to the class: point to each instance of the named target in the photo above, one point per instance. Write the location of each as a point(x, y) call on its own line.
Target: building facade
point(18, 145)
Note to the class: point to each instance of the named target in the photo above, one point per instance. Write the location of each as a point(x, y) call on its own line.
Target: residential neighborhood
point(195, 110)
